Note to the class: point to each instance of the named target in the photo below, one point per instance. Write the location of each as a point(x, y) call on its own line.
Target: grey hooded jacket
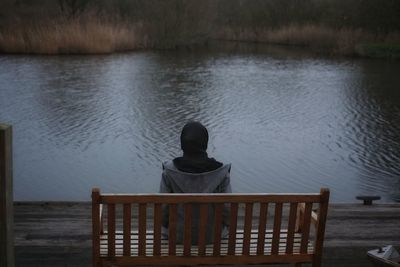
point(175, 181)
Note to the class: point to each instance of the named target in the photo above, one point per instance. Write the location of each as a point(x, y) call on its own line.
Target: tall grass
point(80, 35)
point(106, 26)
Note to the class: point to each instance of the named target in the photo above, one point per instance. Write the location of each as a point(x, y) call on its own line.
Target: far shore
point(355, 29)
point(95, 36)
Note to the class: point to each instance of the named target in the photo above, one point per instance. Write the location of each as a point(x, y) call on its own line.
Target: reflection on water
point(288, 122)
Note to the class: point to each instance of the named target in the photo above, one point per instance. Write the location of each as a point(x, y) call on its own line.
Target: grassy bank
point(321, 39)
point(340, 27)
point(379, 50)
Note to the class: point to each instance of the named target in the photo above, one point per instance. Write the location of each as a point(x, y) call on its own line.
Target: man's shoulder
point(168, 165)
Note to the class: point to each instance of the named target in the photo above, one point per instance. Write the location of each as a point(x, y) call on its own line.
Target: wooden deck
point(59, 234)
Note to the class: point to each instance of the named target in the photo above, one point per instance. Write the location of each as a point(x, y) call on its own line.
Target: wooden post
point(322, 214)
point(96, 227)
point(6, 198)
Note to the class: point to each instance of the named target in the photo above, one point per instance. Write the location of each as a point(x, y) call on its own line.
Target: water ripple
point(286, 123)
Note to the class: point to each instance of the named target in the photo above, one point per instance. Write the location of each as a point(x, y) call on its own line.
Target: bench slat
point(232, 228)
point(142, 228)
point(291, 227)
point(217, 228)
point(208, 198)
point(111, 229)
point(203, 226)
point(188, 229)
point(277, 228)
point(239, 237)
point(172, 229)
point(157, 229)
point(262, 223)
point(127, 229)
point(247, 228)
point(239, 233)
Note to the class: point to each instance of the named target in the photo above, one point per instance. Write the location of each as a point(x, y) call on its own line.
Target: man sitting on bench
point(195, 172)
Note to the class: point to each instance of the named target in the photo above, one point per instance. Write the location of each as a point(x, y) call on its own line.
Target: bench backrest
point(251, 218)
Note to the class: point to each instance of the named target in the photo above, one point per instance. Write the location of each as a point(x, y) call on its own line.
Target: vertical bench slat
point(262, 223)
point(187, 242)
point(172, 229)
point(142, 229)
point(247, 228)
point(127, 229)
point(232, 228)
point(203, 227)
point(111, 229)
point(157, 229)
point(217, 228)
point(291, 228)
point(306, 228)
point(277, 229)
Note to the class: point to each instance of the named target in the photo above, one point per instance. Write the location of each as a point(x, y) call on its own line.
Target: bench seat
point(209, 247)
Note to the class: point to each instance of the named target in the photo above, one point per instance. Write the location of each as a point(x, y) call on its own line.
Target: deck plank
point(59, 233)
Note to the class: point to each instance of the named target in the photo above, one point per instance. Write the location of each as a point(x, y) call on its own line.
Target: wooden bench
point(264, 229)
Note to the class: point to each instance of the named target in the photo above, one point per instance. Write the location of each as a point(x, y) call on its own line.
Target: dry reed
point(94, 34)
point(79, 35)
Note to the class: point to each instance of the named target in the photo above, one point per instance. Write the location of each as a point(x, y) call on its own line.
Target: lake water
point(287, 121)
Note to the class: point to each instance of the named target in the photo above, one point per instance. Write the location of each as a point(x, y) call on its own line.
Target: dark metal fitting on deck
point(368, 199)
